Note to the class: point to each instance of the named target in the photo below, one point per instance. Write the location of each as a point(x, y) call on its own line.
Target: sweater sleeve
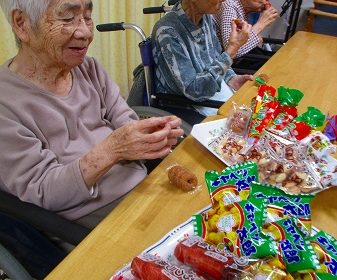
point(33, 173)
point(176, 68)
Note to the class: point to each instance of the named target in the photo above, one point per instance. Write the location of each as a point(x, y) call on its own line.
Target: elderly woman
point(188, 56)
point(240, 9)
point(68, 141)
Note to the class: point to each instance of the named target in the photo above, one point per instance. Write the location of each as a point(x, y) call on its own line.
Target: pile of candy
point(292, 151)
point(253, 231)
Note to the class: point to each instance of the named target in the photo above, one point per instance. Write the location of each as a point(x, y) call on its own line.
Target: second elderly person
point(68, 140)
point(239, 10)
point(188, 56)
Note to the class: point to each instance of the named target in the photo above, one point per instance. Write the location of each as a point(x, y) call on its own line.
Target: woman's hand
point(145, 139)
point(238, 80)
point(239, 36)
point(267, 17)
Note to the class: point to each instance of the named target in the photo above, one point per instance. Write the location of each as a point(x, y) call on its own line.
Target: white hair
point(34, 9)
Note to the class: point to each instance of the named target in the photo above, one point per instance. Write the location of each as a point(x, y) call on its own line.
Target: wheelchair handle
point(156, 10)
point(117, 26)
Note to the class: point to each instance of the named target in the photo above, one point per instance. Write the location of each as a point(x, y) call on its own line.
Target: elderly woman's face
point(65, 32)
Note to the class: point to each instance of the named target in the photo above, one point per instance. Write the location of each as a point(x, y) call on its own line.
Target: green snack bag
point(313, 117)
point(313, 276)
point(325, 247)
point(232, 184)
point(282, 205)
point(296, 253)
point(289, 96)
point(237, 227)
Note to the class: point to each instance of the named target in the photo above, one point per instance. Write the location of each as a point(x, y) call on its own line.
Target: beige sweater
point(42, 137)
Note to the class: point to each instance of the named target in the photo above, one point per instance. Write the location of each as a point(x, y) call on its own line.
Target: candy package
point(296, 253)
point(239, 119)
point(282, 205)
point(325, 247)
point(232, 184)
point(237, 227)
point(183, 178)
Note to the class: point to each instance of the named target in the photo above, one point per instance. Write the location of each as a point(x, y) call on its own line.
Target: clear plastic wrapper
point(183, 178)
point(239, 119)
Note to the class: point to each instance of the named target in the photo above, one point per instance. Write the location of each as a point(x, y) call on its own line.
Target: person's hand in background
point(267, 17)
point(238, 80)
point(239, 36)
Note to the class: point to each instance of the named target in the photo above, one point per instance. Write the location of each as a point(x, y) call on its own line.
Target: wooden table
point(155, 207)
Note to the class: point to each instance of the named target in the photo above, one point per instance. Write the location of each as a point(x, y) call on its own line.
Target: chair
point(26, 249)
point(322, 18)
point(142, 95)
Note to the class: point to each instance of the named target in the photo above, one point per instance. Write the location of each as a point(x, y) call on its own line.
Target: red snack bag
point(264, 117)
point(287, 114)
point(265, 94)
point(207, 260)
point(150, 267)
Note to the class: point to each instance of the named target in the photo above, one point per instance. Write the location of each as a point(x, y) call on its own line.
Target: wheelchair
point(143, 98)
point(27, 250)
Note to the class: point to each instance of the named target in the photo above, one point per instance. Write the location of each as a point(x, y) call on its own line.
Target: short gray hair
point(34, 9)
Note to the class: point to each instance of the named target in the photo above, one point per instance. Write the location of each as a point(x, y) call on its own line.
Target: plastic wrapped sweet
point(232, 184)
point(331, 128)
point(282, 205)
point(182, 178)
point(150, 267)
point(237, 227)
point(296, 252)
point(325, 247)
point(239, 119)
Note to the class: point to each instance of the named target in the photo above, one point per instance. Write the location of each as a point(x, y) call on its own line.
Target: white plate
point(205, 133)
point(164, 247)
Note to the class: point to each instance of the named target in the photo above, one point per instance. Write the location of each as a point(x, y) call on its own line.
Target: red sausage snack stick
point(207, 260)
point(150, 267)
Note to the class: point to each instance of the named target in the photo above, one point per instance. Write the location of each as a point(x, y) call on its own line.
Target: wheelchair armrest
point(273, 41)
point(176, 99)
point(42, 219)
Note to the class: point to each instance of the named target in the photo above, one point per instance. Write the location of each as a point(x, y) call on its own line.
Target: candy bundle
point(291, 150)
point(252, 231)
point(258, 221)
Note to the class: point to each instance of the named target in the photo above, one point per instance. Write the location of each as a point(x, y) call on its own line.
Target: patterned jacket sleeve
point(223, 21)
point(176, 70)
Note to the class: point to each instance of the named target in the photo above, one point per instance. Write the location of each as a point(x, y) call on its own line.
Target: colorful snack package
point(209, 261)
point(263, 119)
point(282, 205)
point(331, 128)
point(265, 94)
point(296, 253)
point(232, 184)
point(302, 125)
point(325, 247)
point(318, 145)
point(150, 267)
point(274, 170)
point(237, 227)
point(229, 146)
point(288, 99)
point(238, 120)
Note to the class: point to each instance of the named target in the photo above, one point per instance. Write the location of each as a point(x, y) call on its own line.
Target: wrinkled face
point(64, 33)
point(209, 6)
